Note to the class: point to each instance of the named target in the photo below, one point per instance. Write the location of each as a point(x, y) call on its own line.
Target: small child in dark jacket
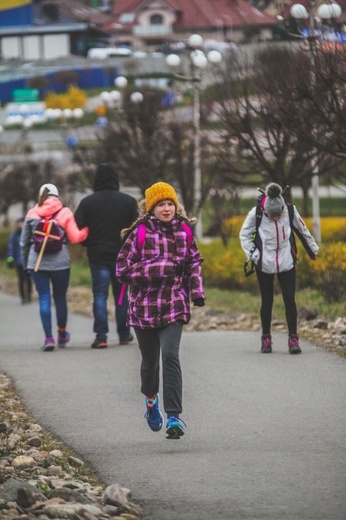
point(14, 260)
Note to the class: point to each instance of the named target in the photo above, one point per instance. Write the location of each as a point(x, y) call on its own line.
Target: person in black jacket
point(106, 212)
point(14, 259)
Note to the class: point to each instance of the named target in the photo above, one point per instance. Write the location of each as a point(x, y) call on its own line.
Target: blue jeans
point(60, 280)
point(103, 275)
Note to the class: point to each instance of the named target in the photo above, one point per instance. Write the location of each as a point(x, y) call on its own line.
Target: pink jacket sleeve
point(67, 220)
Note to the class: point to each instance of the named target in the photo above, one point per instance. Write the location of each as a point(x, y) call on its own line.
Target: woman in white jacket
point(267, 239)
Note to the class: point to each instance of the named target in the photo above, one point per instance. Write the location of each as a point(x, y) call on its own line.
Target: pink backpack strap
point(122, 294)
point(141, 233)
point(188, 232)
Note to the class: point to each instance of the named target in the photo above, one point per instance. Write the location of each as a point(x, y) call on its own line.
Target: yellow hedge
point(223, 268)
point(73, 98)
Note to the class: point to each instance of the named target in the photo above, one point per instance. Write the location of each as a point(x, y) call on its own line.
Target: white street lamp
point(173, 60)
point(195, 41)
point(115, 96)
point(325, 12)
point(136, 97)
point(77, 113)
point(198, 60)
point(120, 82)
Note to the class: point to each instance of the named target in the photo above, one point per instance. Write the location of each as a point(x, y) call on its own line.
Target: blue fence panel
point(93, 77)
point(7, 88)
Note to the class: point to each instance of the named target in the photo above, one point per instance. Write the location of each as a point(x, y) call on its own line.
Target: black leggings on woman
point(287, 281)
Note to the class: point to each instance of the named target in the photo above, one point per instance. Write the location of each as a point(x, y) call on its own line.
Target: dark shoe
point(126, 341)
point(49, 344)
point(63, 339)
point(99, 343)
point(174, 428)
point(153, 415)
point(266, 347)
point(293, 345)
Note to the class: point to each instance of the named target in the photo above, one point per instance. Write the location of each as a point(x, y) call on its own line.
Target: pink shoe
point(49, 344)
point(293, 345)
point(63, 339)
point(266, 347)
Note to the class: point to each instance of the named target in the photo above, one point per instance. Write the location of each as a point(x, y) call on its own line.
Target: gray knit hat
point(274, 203)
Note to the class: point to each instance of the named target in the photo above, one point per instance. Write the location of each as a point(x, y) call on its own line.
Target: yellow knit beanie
point(158, 192)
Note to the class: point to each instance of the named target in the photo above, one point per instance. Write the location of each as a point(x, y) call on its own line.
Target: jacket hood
point(50, 206)
point(106, 178)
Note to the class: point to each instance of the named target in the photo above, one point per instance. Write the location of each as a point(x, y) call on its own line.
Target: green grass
point(223, 300)
point(237, 301)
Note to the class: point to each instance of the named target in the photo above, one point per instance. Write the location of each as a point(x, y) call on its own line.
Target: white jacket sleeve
point(246, 236)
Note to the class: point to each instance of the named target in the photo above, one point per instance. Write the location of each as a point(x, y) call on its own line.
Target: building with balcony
point(143, 23)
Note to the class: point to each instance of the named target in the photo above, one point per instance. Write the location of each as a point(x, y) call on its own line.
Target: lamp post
point(312, 21)
point(198, 60)
point(115, 98)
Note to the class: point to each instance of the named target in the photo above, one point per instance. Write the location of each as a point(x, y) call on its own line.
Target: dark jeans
point(60, 280)
point(24, 284)
point(167, 341)
point(103, 275)
point(287, 281)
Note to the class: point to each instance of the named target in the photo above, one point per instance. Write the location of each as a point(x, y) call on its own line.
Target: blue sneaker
point(174, 428)
point(153, 415)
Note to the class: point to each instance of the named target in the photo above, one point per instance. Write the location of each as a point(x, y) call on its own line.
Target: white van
point(109, 52)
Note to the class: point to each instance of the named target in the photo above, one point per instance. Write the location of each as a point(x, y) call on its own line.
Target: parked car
point(109, 52)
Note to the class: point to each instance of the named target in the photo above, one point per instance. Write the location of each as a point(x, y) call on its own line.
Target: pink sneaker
point(49, 344)
point(63, 339)
point(266, 347)
point(293, 345)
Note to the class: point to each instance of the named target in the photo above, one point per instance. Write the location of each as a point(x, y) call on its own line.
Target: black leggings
point(287, 281)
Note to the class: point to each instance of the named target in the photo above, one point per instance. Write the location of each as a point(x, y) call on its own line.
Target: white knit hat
point(52, 190)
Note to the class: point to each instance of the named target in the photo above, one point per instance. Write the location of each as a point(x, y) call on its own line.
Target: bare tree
point(260, 140)
point(136, 141)
point(322, 88)
point(20, 183)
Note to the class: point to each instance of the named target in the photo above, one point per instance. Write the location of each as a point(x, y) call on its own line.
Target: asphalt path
point(265, 436)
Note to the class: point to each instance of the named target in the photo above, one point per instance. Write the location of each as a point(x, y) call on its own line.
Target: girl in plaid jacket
point(164, 274)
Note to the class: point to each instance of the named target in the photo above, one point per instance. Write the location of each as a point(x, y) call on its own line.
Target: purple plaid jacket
point(158, 296)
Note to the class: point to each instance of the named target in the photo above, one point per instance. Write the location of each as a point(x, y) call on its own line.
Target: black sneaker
point(99, 343)
point(127, 340)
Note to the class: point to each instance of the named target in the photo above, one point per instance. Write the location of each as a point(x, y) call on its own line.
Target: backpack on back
point(259, 215)
point(48, 232)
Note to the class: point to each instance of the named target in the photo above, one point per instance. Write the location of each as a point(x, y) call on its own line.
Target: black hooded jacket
point(106, 212)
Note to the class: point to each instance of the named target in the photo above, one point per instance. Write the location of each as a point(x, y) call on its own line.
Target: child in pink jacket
point(164, 274)
point(54, 268)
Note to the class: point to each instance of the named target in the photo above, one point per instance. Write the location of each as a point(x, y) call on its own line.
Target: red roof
point(204, 13)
